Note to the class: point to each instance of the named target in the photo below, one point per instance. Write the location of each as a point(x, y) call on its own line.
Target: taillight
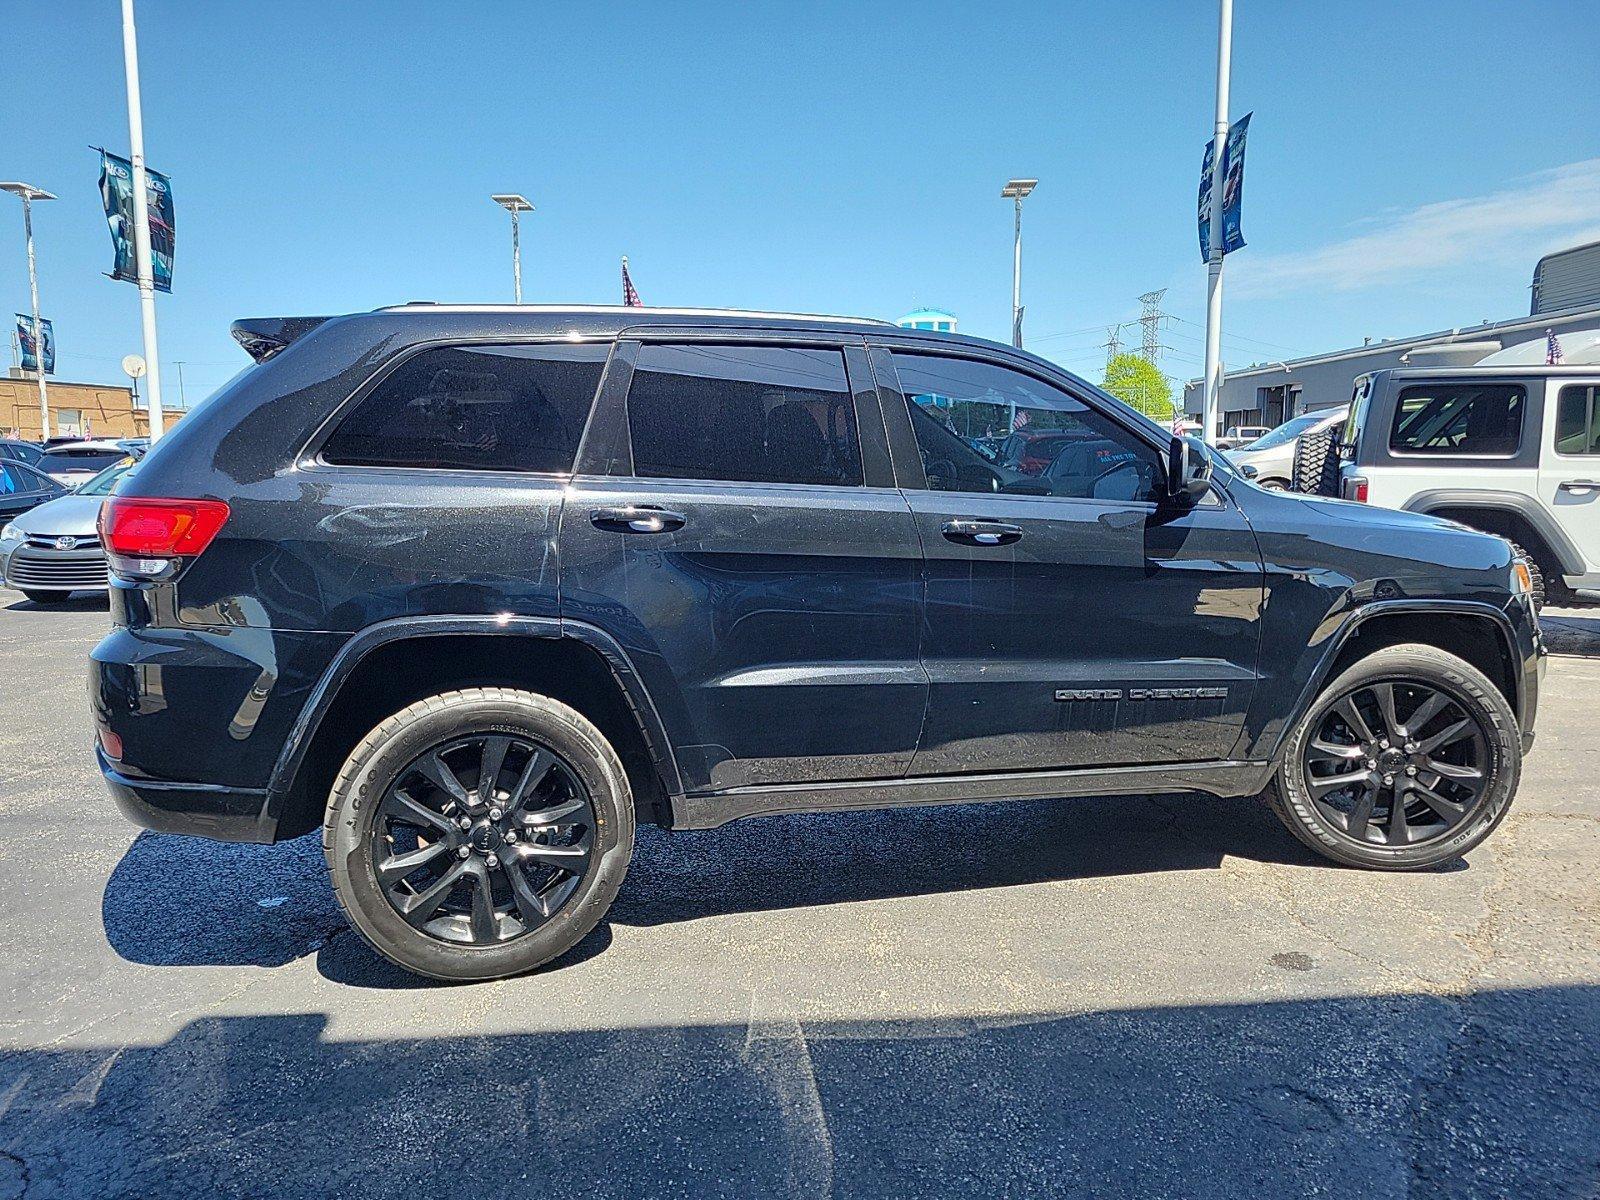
point(1356, 489)
point(143, 536)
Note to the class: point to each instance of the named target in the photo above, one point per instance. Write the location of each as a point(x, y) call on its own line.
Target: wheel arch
point(1454, 626)
point(387, 666)
point(1518, 517)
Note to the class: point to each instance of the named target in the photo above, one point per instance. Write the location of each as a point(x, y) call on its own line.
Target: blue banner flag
point(30, 352)
point(1232, 190)
point(116, 191)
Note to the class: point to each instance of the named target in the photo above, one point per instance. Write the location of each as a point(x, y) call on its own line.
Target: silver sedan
point(54, 550)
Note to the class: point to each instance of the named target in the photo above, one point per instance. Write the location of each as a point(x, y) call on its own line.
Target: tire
point(1316, 464)
point(1273, 485)
point(362, 824)
point(1413, 669)
point(45, 599)
point(1540, 592)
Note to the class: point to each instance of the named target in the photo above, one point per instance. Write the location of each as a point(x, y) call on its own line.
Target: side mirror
point(1188, 470)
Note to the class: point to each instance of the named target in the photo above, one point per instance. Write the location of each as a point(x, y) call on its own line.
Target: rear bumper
point(199, 809)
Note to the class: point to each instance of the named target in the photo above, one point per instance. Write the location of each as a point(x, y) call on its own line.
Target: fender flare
point(1353, 619)
point(292, 756)
point(1514, 503)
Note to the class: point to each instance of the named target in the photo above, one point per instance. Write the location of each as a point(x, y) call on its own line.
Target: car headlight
point(10, 533)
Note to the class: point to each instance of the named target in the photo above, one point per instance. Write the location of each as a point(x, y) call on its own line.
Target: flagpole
point(1219, 165)
point(141, 221)
point(38, 325)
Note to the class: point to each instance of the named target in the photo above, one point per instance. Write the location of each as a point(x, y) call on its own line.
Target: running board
point(707, 810)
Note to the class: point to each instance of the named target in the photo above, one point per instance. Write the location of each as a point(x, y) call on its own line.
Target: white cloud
point(1536, 214)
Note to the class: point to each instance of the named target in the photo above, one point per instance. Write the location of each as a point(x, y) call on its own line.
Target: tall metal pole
point(38, 325)
point(516, 256)
point(1219, 152)
point(141, 221)
point(1016, 279)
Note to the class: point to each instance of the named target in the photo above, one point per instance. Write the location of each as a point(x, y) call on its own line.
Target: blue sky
point(1407, 162)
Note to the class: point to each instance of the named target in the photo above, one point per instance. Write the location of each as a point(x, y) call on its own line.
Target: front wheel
point(1407, 760)
point(479, 834)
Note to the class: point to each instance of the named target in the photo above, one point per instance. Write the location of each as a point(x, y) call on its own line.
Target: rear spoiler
point(262, 337)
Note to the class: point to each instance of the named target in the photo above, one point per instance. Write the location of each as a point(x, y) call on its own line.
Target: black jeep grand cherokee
point(477, 589)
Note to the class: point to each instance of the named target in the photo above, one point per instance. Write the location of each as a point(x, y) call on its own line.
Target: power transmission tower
point(1113, 343)
point(1151, 320)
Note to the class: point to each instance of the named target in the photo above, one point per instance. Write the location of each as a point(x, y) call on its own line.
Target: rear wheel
point(479, 834)
point(1407, 760)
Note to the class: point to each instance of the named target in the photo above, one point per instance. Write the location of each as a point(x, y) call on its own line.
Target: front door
point(1070, 619)
point(1569, 465)
point(743, 538)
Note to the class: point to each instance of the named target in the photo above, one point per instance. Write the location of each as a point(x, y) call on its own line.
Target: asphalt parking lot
point(1128, 997)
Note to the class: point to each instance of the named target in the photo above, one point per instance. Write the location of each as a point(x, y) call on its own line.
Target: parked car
point(23, 488)
point(54, 550)
point(1513, 451)
point(475, 590)
point(73, 463)
point(1269, 460)
point(1238, 436)
point(14, 450)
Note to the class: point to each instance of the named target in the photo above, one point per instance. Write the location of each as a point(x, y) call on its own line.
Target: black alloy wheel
point(1396, 762)
point(482, 839)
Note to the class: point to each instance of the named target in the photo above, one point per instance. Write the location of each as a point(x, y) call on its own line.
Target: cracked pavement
point(1123, 997)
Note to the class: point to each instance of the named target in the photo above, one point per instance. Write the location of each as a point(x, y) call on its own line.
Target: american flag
point(1552, 349)
point(630, 296)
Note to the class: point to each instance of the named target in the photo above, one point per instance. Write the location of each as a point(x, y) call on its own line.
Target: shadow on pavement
point(1568, 633)
point(176, 901)
point(75, 602)
point(1491, 1094)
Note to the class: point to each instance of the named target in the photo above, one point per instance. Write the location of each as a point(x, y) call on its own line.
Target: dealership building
point(99, 410)
point(1566, 301)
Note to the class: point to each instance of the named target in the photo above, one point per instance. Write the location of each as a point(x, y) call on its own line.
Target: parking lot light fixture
point(1015, 190)
point(515, 205)
point(27, 193)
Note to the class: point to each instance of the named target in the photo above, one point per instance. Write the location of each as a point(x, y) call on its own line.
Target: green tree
point(1136, 382)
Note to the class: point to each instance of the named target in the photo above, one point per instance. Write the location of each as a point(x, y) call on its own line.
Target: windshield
point(102, 483)
point(80, 458)
point(1288, 431)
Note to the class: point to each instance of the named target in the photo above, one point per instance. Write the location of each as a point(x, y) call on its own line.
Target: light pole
point(1015, 190)
point(515, 204)
point(141, 220)
point(28, 194)
point(1219, 170)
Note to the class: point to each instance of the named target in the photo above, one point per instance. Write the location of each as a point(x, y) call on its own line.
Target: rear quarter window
point(477, 408)
point(1463, 418)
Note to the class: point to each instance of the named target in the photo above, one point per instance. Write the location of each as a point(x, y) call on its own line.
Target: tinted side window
point(1578, 420)
point(755, 414)
point(986, 428)
point(1459, 418)
point(483, 408)
point(29, 480)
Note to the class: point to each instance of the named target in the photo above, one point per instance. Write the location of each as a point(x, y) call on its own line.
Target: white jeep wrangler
point(1508, 450)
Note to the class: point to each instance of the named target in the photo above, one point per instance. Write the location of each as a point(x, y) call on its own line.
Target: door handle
point(1578, 485)
point(637, 518)
point(982, 533)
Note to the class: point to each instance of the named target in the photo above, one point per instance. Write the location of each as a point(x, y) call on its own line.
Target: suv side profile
point(475, 590)
point(1513, 451)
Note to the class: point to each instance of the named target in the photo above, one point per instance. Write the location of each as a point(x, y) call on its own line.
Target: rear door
point(1569, 469)
point(1070, 619)
point(735, 525)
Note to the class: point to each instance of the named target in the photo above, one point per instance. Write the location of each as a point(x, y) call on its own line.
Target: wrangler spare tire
point(1316, 463)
